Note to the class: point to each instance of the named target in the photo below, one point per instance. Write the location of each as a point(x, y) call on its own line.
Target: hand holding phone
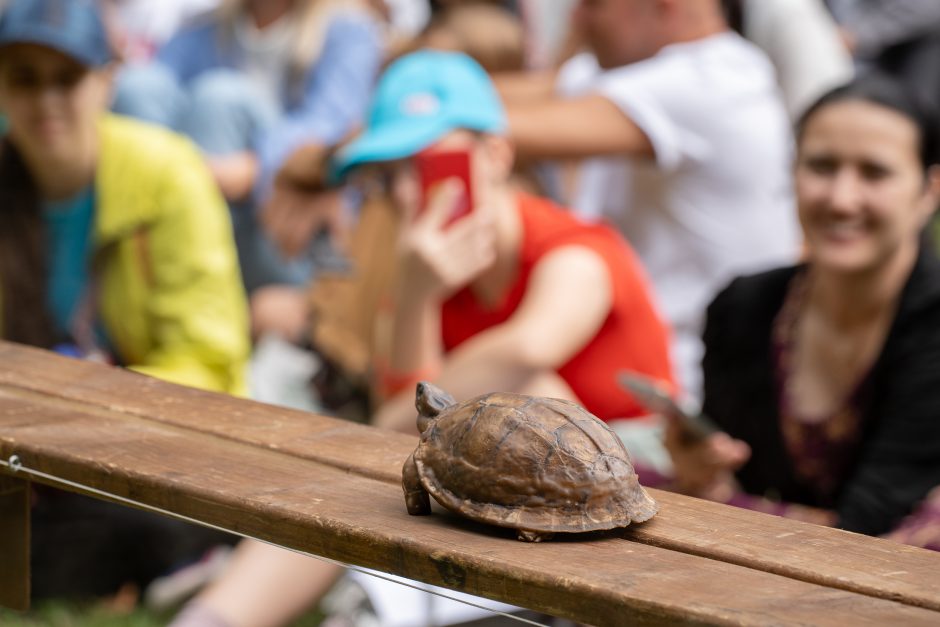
point(445, 246)
point(655, 397)
point(436, 166)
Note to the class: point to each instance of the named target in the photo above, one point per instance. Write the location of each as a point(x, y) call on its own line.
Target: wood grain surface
point(333, 489)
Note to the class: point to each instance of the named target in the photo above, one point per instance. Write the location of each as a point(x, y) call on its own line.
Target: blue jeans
point(222, 112)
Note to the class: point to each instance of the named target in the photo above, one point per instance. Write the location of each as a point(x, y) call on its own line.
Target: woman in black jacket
point(825, 377)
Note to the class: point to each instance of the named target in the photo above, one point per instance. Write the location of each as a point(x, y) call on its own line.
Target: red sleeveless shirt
point(633, 337)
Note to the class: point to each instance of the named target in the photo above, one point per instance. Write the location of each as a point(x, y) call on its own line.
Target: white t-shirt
point(266, 55)
point(717, 200)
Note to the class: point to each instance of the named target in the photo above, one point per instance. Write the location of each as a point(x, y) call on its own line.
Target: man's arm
point(568, 299)
point(520, 87)
point(575, 128)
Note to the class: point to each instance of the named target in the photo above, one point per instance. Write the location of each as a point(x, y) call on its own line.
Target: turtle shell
point(530, 463)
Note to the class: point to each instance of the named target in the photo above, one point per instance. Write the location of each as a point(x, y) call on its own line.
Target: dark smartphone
point(436, 166)
point(654, 396)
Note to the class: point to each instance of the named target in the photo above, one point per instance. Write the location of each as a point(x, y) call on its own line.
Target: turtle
point(537, 465)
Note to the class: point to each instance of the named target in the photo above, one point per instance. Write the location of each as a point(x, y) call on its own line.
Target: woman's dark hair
point(23, 316)
point(881, 89)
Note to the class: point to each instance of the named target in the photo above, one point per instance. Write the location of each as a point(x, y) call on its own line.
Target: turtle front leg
point(416, 497)
point(534, 536)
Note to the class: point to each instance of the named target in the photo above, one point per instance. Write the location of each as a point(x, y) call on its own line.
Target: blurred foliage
point(69, 614)
point(74, 614)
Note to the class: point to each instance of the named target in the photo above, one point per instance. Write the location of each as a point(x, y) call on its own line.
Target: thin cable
point(16, 466)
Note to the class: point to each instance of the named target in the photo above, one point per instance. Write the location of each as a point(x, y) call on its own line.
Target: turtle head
point(430, 401)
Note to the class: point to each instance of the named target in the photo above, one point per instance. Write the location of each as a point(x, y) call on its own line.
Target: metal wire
point(16, 467)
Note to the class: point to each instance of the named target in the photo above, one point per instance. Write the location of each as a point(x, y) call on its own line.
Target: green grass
point(67, 614)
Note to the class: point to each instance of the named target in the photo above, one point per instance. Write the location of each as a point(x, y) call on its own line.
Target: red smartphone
point(436, 166)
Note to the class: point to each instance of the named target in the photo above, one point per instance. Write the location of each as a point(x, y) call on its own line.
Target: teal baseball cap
point(74, 28)
point(419, 99)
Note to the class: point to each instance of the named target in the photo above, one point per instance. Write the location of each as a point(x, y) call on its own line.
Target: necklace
point(821, 448)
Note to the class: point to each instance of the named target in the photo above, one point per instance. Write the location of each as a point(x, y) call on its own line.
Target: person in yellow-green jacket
point(114, 242)
point(114, 236)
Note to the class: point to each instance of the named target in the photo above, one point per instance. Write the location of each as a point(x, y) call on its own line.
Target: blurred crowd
point(320, 203)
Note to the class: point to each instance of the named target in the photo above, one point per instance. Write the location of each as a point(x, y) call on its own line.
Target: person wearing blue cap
point(114, 241)
point(477, 297)
point(515, 295)
point(81, 185)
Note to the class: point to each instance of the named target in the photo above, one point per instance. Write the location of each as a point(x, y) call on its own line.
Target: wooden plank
point(316, 507)
point(14, 543)
point(302, 433)
point(852, 562)
point(803, 551)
